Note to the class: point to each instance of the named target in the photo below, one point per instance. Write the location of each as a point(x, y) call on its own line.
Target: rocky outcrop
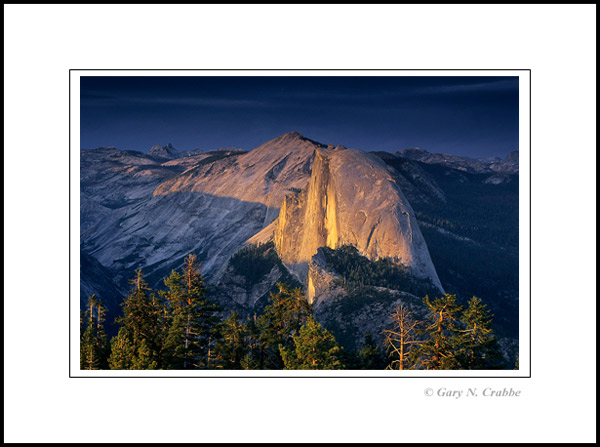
point(351, 316)
point(321, 279)
point(351, 198)
point(167, 151)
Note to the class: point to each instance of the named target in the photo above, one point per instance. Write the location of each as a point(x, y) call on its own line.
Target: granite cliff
point(351, 199)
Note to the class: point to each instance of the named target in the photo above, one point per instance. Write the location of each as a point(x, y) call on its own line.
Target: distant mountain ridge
point(169, 152)
point(508, 165)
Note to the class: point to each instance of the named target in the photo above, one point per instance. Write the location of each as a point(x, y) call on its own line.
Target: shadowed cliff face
point(351, 198)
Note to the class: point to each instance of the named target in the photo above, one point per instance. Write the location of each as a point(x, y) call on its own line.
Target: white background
point(42, 404)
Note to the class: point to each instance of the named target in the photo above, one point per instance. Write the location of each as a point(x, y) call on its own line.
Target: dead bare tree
point(401, 338)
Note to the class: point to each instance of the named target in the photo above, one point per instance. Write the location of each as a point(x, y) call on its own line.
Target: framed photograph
point(300, 223)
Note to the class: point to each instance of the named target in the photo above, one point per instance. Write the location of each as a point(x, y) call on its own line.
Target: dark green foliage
point(193, 320)
point(145, 357)
point(458, 338)
point(357, 271)
point(94, 347)
point(88, 355)
point(282, 319)
point(231, 346)
point(314, 348)
point(256, 351)
point(138, 342)
point(253, 262)
point(479, 348)
point(370, 356)
point(440, 348)
point(123, 352)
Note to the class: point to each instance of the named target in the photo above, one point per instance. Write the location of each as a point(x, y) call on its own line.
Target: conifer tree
point(122, 351)
point(102, 340)
point(137, 345)
point(87, 343)
point(171, 328)
point(370, 356)
point(314, 348)
point(281, 320)
point(94, 348)
point(401, 340)
point(479, 348)
point(231, 346)
point(255, 349)
point(90, 358)
point(144, 358)
point(194, 321)
point(440, 348)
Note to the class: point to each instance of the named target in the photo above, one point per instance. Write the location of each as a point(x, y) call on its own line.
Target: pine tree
point(94, 348)
point(401, 340)
point(172, 317)
point(140, 334)
point(122, 351)
point(370, 356)
point(281, 320)
point(315, 348)
point(255, 348)
point(231, 346)
point(144, 358)
point(479, 348)
point(192, 332)
point(102, 341)
point(90, 357)
point(440, 348)
point(88, 351)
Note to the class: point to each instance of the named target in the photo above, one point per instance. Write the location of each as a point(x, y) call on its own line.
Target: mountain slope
point(140, 211)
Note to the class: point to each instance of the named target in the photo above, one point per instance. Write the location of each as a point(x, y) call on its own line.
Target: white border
point(524, 226)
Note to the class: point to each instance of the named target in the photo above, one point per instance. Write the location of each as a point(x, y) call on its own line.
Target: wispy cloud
point(94, 98)
point(406, 92)
point(482, 87)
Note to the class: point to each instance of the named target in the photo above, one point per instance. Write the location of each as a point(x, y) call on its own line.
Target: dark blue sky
point(470, 116)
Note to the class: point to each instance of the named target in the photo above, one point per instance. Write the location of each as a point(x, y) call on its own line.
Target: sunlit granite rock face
point(351, 198)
